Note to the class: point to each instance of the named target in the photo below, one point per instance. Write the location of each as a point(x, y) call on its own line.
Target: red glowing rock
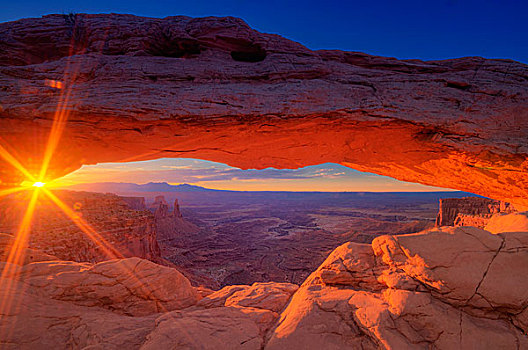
point(213, 88)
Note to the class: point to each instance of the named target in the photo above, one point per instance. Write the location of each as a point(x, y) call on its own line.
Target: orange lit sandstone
point(470, 292)
point(136, 88)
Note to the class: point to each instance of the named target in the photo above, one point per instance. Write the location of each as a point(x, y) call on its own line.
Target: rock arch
point(460, 123)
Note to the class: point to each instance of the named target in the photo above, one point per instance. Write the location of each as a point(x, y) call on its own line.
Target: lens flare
point(16, 255)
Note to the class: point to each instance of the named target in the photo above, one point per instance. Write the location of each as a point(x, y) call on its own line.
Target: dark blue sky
point(404, 29)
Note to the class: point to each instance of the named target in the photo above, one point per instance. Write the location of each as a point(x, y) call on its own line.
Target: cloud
point(197, 171)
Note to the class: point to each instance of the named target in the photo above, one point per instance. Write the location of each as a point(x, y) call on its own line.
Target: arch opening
point(223, 225)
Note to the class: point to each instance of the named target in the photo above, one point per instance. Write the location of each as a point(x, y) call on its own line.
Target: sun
point(32, 183)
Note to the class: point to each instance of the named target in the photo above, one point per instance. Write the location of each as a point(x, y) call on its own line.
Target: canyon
point(117, 88)
point(220, 238)
point(470, 292)
point(131, 232)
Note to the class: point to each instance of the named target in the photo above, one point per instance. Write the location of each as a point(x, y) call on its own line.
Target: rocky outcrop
point(516, 222)
point(30, 255)
point(470, 211)
point(170, 225)
point(131, 232)
point(467, 293)
point(133, 286)
point(135, 203)
point(215, 89)
point(160, 207)
point(470, 292)
point(176, 211)
point(130, 304)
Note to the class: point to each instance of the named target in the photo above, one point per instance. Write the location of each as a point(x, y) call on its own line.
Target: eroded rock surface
point(213, 88)
point(470, 211)
point(132, 232)
point(470, 292)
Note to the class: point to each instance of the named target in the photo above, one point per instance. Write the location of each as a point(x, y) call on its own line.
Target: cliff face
point(131, 232)
point(135, 203)
point(215, 89)
point(470, 211)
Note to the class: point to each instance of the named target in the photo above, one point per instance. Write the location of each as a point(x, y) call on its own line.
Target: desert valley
point(153, 265)
point(220, 238)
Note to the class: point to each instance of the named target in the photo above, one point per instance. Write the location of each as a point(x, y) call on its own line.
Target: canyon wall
point(132, 88)
point(470, 211)
point(132, 232)
point(135, 203)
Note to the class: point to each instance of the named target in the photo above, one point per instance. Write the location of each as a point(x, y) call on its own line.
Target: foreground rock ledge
point(212, 88)
point(470, 292)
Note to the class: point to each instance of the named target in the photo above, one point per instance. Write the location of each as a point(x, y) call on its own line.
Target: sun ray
point(57, 128)
point(102, 243)
point(15, 163)
point(60, 119)
point(9, 191)
point(17, 255)
point(111, 251)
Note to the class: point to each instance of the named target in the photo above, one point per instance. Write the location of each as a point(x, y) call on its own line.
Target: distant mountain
point(123, 187)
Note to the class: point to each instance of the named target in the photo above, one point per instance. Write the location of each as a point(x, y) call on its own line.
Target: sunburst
point(42, 187)
point(37, 184)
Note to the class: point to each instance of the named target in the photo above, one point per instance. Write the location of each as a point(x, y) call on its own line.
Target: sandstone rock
point(215, 89)
point(270, 296)
point(469, 292)
point(38, 322)
point(517, 222)
point(131, 286)
point(318, 317)
point(170, 226)
point(470, 211)
point(30, 255)
point(216, 328)
point(130, 232)
point(136, 203)
point(176, 211)
point(218, 298)
point(203, 291)
point(160, 207)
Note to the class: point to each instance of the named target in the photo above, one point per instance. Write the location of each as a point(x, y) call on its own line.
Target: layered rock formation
point(159, 207)
point(469, 293)
point(470, 211)
point(131, 232)
point(170, 225)
point(135, 203)
point(213, 88)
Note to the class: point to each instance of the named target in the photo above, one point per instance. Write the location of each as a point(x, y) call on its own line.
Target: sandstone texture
point(470, 211)
point(467, 293)
point(471, 292)
point(517, 222)
point(131, 232)
point(135, 88)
